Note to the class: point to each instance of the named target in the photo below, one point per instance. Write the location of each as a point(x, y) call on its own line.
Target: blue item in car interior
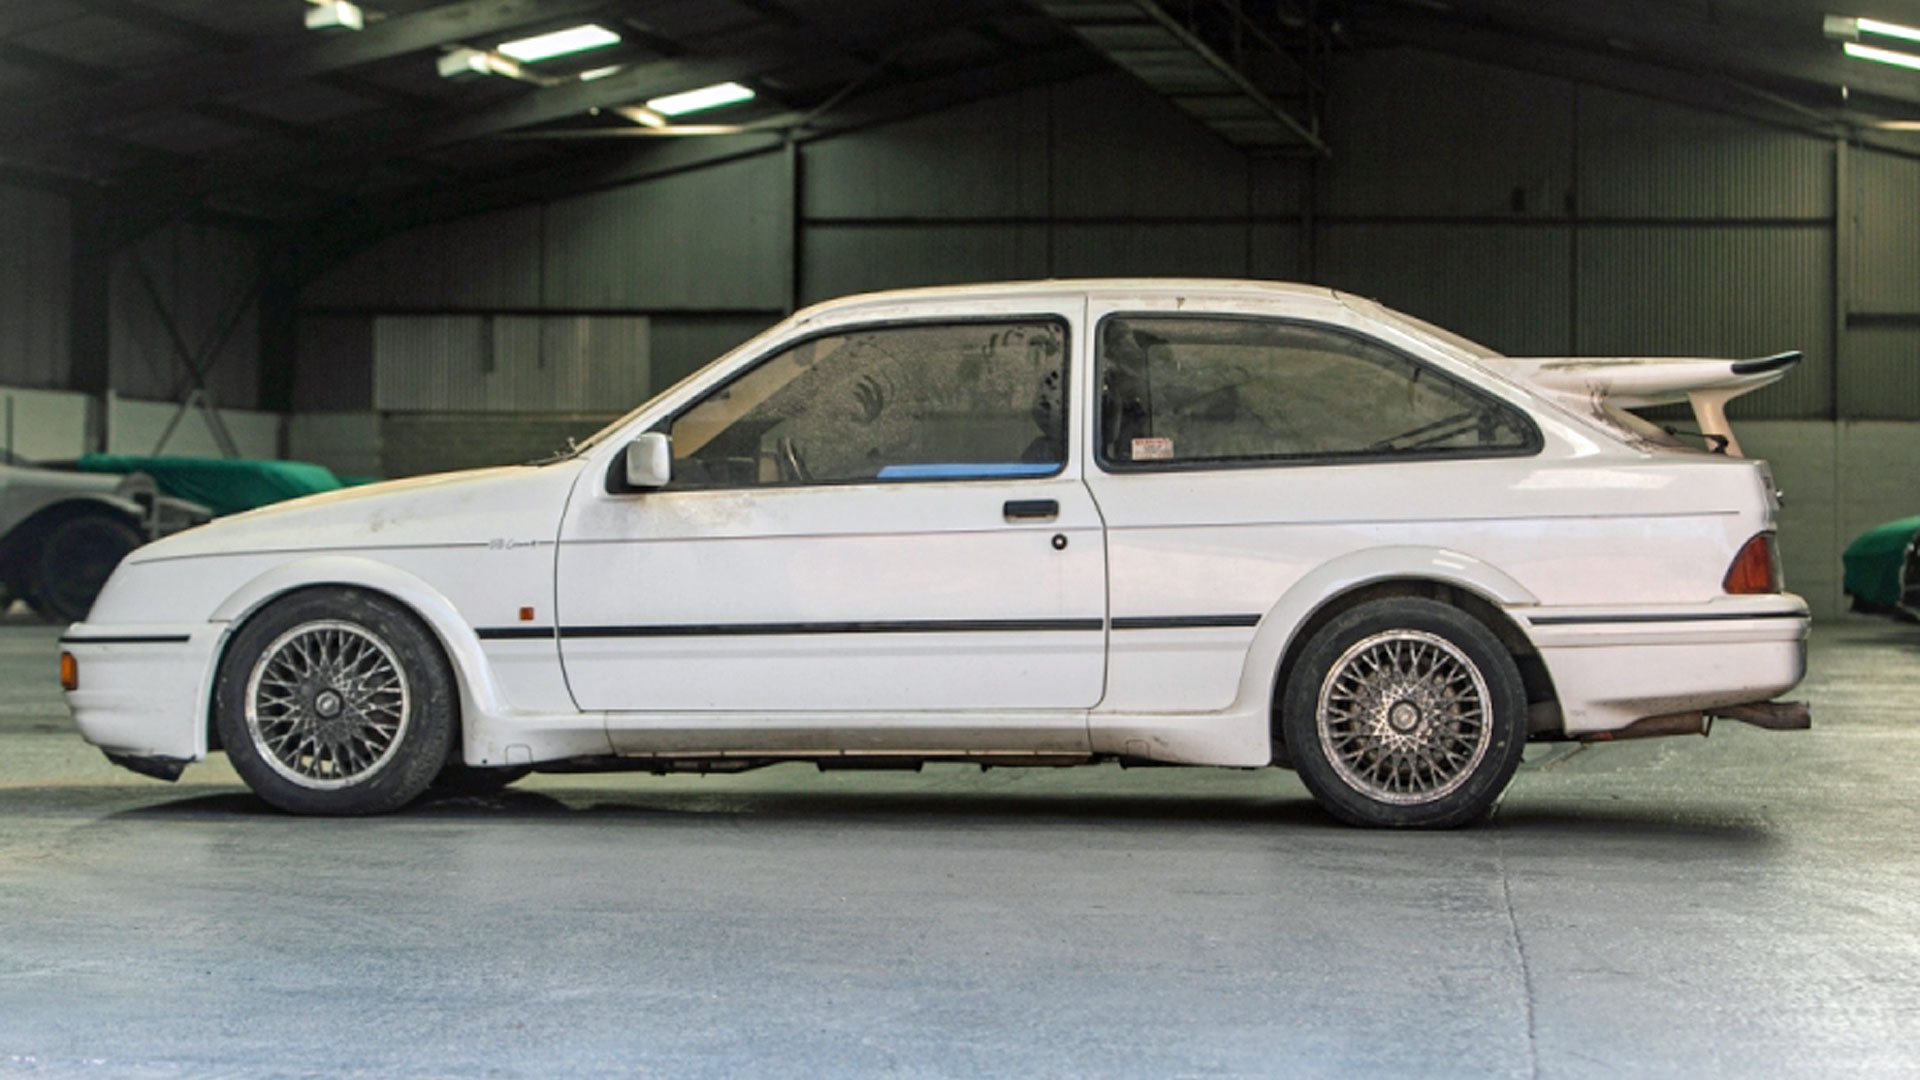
point(965, 472)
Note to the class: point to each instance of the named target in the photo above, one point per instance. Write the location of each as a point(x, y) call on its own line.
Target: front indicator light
point(1756, 569)
point(69, 672)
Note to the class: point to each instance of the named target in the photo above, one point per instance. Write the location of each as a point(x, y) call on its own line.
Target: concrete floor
point(1745, 905)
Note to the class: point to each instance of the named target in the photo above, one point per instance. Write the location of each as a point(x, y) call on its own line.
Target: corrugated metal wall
point(1539, 216)
point(1543, 217)
point(205, 278)
point(1882, 375)
point(509, 363)
point(35, 281)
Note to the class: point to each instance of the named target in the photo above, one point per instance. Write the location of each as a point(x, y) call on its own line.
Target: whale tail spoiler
point(1618, 383)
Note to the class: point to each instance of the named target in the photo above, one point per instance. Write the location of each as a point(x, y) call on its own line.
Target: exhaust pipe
point(1768, 715)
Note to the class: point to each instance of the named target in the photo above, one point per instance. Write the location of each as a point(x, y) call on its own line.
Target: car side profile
point(1197, 522)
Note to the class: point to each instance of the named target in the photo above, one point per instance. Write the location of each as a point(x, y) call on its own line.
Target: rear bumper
point(1614, 666)
point(143, 690)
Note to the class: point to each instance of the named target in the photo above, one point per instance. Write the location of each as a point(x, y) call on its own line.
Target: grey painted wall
point(203, 277)
point(34, 284)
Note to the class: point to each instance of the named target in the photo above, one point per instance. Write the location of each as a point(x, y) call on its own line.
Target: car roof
point(1094, 288)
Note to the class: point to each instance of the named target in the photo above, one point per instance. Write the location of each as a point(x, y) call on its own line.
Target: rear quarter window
point(1198, 391)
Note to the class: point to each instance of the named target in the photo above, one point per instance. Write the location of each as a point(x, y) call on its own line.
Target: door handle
point(1042, 509)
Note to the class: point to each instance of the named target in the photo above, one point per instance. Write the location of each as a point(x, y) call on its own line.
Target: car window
point(905, 402)
point(1196, 390)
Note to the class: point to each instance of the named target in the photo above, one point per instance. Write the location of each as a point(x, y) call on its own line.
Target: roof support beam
point(160, 22)
point(1710, 91)
point(1766, 53)
point(62, 68)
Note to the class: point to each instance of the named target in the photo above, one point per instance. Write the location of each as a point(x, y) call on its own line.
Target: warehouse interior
point(366, 237)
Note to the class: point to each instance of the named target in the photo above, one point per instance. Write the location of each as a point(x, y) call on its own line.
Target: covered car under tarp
point(222, 485)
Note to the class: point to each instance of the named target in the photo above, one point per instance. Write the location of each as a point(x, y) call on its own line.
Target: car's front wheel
point(1405, 712)
point(336, 701)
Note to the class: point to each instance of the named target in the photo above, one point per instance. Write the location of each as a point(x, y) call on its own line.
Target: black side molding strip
point(1715, 616)
point(503, 633)
point(1766, 363)
point(1182, 622)
point(129, 639)
point(905, 626)
point(901, 626)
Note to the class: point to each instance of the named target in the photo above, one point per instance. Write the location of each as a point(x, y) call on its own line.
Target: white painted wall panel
point(139, 427)
point(44, 425)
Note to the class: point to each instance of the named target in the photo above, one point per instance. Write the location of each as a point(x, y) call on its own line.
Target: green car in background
point(1883, 569)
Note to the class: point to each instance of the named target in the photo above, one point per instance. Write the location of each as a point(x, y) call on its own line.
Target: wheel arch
point(478, 692)
point(1453, 578)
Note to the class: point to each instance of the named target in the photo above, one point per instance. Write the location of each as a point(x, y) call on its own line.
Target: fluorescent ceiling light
point(1898, 125)
point(643, 116)
point(1887, 29)
point(334, 14)
point(599, 73)
point(707, 97)
point(559, 43)
point(1884, 56)
point(464, 62)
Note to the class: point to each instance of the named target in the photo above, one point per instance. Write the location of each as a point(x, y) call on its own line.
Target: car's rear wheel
point(1405, 712)
point(335, 701)
point(74, 560)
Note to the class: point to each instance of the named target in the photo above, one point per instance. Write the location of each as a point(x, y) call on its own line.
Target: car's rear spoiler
point(1638, 382)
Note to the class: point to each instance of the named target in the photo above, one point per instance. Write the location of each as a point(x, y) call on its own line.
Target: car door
point(876, 519)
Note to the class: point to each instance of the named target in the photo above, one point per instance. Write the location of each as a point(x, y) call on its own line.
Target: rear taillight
point(1756, 569)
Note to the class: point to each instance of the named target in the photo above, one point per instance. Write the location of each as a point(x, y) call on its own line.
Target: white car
point(1198, 522)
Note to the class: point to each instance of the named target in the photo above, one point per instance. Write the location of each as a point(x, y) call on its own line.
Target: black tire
point(460, 779)
point(72, 562)
point(1395, 686)
point(316, 741)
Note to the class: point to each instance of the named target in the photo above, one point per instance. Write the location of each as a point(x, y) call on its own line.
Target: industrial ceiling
point(157, 109)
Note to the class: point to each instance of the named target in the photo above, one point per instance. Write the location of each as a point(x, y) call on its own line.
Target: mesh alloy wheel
point(327, 704)
point(1402, 717)
point(1404, 712)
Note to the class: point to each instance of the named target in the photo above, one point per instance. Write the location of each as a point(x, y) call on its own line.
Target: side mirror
point(650, 460)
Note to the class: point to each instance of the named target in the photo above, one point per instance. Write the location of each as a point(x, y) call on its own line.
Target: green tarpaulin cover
point(223, 486)
point(1873, 562)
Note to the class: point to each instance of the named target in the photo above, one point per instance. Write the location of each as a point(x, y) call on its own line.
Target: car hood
point(514, 505)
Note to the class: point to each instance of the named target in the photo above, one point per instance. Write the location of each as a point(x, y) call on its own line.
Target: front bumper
point(1617, 665)
point(144, 688)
